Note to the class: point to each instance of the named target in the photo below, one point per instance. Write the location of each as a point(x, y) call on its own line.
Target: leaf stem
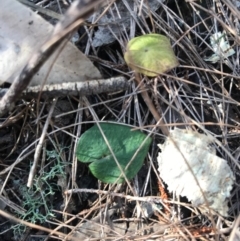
point(151, 106)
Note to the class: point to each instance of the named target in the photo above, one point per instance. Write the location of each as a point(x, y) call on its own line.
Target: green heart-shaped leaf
point(124, 143)
point(150, 54)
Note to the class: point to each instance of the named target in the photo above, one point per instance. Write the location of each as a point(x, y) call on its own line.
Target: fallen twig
point(74, 88)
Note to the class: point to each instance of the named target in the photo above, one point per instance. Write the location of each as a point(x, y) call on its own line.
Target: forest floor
point(201, 94)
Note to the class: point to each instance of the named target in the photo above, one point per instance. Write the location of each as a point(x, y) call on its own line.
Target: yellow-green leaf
point(150, 54)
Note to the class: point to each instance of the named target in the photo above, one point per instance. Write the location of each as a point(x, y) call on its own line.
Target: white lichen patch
point(221, 47)
point(190, 167)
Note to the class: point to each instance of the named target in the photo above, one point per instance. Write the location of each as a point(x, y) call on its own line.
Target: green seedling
point(129, 147)
point(150, 54)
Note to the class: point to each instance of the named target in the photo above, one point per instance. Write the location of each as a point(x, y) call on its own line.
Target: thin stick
point(39, 146)
point(151, 107)
point(115, 194)
point(75, 88)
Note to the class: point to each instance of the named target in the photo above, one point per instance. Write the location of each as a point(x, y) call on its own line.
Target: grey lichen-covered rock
point(186, 157)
